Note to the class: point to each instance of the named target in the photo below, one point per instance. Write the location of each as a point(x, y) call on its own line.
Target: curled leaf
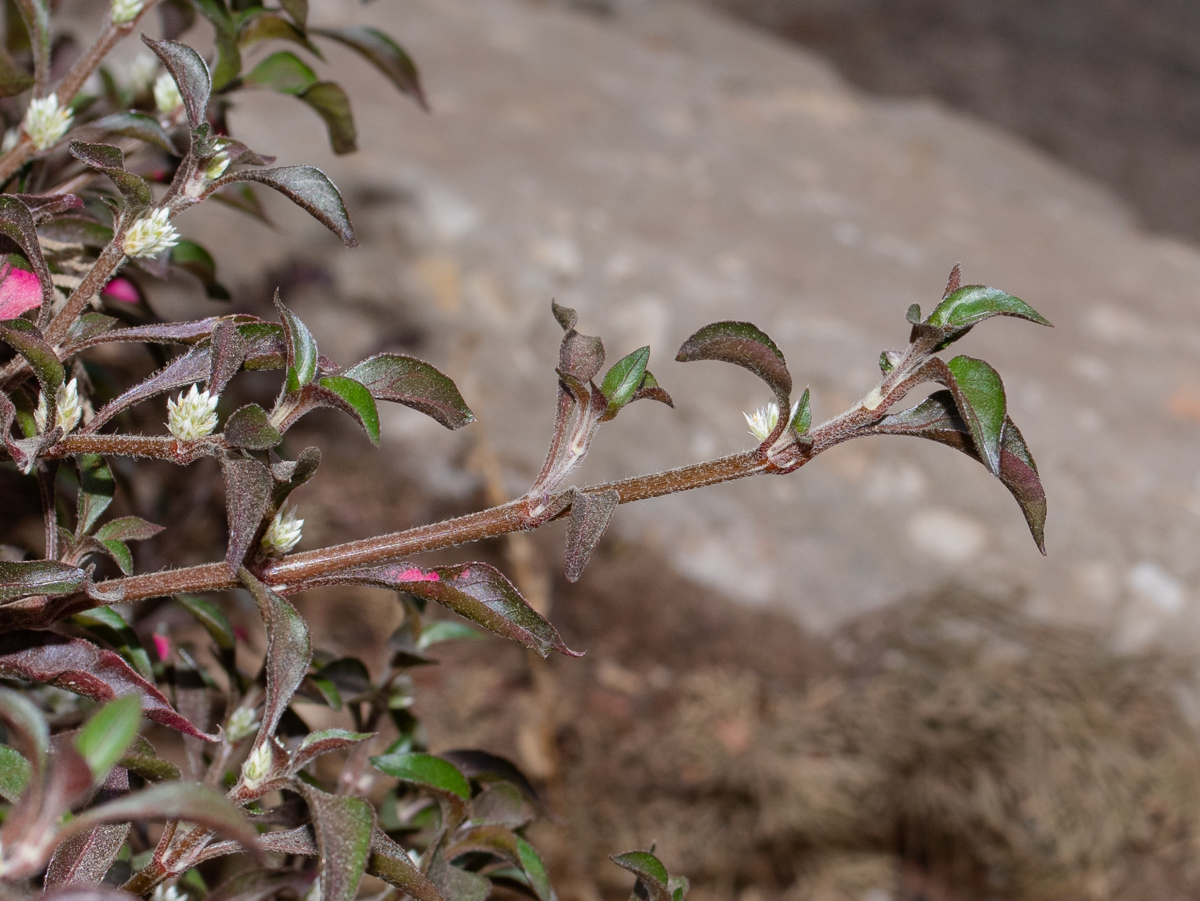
point(191, 74)
point(966, 306)
point(308, 188)
point(745, 345)
point(413, 383)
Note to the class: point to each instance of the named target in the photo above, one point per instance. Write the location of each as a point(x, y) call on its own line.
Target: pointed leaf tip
point(743, 344)
point(966, 306)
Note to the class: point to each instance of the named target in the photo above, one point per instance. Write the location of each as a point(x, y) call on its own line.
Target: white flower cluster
point(167, 893)
point(150, 235)
point(46, 121)
point(763, 421)
point(192, 415)
point(69, 409)
point(166, 94)
point(124, 11)
point(258, 765)
point(242, 723)
point(283, 533)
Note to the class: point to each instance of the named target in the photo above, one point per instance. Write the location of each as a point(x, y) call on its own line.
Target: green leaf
point(413, 383)
point(284, 72)
point(982, 403)
point(250, 427)
point(26, 339)
point(27, 729)
point(970, 304)
point(212, 618)
point(229, 60)
point(651, 874)
point(308, 188)
point(302, 348)
point(14, 774)
point(802, 421)
point(128, 528)
point(428, 773)
point(623, 380)
point(534, 869)
point(96, 489)
point(343, 827)
point(36, 16)
point(48, 577)
point(191, 257)
point(446, 630)
point(745, 345)
point(120, 553)
point(357, 395)
point(267, 25)
point(383, 53)
point(298, 10)
point(330, 102)
point(111, 729)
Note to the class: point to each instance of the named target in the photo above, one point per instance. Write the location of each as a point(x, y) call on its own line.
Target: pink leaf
point(412, 574)
point(19, 291)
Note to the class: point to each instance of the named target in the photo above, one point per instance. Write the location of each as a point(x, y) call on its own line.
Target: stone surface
point(663, 168)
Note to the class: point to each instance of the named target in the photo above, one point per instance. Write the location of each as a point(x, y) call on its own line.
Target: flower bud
point(258, 765)
point(124, 11)
point(150, 235)
point(166, 94)
point(242, 724)
point(192, 415)
point(69, 409)
point(283, 533)
point(46, 121)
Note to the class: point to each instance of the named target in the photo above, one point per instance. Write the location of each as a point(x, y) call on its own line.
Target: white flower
point(69, 409)
point(10, 140)
point(46, 121)
point(125, 11)
point(258, 765)
point(763, 421)
point(142, 71)
point(167, 893)
point(192, 415)
point(166, 94)
point(241, 724)
point(150, 235)
point(216, 166)
point(283, 533)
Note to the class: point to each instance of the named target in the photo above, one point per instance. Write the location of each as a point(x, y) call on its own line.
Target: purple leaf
point(189, 368)
point(250, 427)
point(289, 651)
point(190, 72)
point(45, 206)
point(82, 668)
point(128, 528)
point(132, 124)
point(476, 591)
point(262, 885)
point(111, 161)
point(415, 384)
point(248, 487)
point(343, 827)
point(323, 742)
point(329, 101)
point(590, 513)
point(391, 863)
point(745, 345)
point(308, 188)
point(83, 859)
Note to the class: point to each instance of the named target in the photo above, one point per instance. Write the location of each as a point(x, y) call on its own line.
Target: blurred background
point(861, 681)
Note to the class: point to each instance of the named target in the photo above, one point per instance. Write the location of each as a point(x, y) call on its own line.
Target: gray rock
point(659, 168)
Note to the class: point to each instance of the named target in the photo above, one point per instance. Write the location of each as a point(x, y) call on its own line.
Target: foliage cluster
point(95, 169)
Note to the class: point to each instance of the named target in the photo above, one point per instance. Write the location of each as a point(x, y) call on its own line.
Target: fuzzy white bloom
point(192, 415)
point(258, 765)
point(166, 94)
point(283, 533)
point(150, 235)
point(46, 121)
point(142, 71)
point(167, 893)
point(69, 408)
point(125, 11)
point(763, 421)
point(242, 723)
point(10, 140)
